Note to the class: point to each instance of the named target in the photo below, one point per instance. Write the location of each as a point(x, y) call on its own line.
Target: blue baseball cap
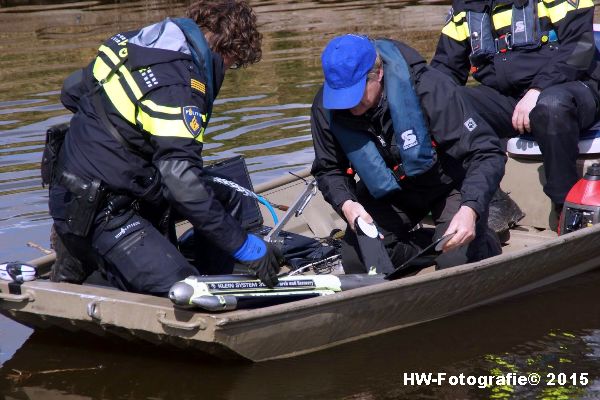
point(346, 61)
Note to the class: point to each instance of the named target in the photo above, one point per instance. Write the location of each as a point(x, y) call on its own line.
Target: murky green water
point(262, 113)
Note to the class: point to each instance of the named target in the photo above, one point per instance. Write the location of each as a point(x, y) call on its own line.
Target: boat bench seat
point(526, 146)
point(524, 176)
point(589, 142)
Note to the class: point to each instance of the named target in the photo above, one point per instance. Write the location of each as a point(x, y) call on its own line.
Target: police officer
point(535, 61)
point(413, 140)
point(134, 147)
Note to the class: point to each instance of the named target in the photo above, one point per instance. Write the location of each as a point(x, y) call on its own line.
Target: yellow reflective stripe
point(162, 109)
point(131, 82)
point(502, 19)
point(111, 54)
point(122, 69)
point(546, 9)
point(455, 31)
point(167, 127)
point(119, 99)
point(542, 10)
point(458, 17)
point(101, 70)
point(561, 10)
point(114, 90)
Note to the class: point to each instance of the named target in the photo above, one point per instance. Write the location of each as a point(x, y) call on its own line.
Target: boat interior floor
point(318, 220)
point(521, 237)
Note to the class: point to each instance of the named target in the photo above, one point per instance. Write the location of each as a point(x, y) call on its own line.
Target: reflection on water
point(262, 113)
point(12, 336)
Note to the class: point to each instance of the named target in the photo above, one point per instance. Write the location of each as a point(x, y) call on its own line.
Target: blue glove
point(261, 259)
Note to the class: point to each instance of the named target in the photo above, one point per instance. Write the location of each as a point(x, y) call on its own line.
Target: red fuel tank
point(582, 206)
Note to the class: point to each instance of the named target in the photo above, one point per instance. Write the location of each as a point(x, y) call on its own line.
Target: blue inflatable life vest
point(411, 135)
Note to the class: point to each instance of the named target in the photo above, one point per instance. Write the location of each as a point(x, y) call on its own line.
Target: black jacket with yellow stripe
point(515, 71)
point(155, 96)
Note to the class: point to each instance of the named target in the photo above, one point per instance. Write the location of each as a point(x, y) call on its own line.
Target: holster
point(55, 136)
point(86, 198)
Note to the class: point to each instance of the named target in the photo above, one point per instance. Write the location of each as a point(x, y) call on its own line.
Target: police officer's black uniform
point(470, 165)
point(560, 63)
point(156, 98)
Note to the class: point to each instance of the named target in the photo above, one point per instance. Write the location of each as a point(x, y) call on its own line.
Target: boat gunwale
point(234, 316)
point(241, 316)
point(230, 330)
point(222, 319)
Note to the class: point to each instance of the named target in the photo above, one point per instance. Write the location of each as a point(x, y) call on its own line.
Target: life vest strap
point(503, 43)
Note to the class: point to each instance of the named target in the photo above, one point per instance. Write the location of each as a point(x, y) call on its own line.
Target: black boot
point(67, 268)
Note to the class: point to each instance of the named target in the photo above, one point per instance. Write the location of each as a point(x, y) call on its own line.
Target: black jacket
point(514, 72)
point(162, 145)
point(472, 159)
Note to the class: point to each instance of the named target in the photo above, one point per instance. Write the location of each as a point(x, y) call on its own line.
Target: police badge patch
point(193, 119)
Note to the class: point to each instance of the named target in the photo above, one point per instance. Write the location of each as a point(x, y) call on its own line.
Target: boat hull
point(309, 325)
point(532, 259)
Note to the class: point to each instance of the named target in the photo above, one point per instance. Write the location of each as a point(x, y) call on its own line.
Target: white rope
point(234, 186)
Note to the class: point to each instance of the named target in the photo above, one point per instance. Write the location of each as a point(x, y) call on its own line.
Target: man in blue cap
point(416, 145)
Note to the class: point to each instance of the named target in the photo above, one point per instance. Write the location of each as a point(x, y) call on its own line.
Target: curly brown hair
point(233, 27)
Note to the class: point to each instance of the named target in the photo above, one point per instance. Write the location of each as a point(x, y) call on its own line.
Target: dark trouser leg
point(137, 257)
point(397, 214)
point(393, 222)
point(396, 218)
point(561, 113)
point(495, 108)
point(485, 244)
point(162, 216)
point(132, 254)
point(75, 259)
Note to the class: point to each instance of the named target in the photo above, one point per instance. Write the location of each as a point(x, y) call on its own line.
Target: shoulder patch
point(198, 86)
point(193, 119)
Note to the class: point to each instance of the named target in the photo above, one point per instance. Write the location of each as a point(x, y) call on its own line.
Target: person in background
point(134, 148)
point(536, 64)
point(416, 144)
